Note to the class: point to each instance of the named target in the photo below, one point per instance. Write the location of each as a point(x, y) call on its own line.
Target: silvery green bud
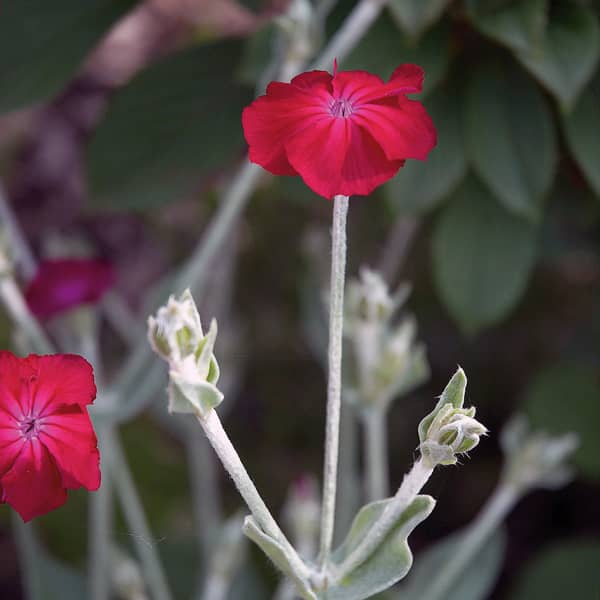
point(176, 335)
point(536, 459)
point(450, 429)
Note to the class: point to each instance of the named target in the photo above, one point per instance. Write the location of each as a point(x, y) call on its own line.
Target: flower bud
point(388, 359)
point(302, 512)
point(176, 335)
point(449, 429)
point(536, 459)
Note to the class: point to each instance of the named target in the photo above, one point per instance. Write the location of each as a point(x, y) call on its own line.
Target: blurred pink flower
point(60, 285)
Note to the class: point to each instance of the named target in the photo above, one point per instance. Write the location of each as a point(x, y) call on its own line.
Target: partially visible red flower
point(63, 284)
point(47, 443)
point(345, 133)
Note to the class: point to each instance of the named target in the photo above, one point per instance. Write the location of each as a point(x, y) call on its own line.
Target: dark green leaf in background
point(518, 25)
point(43, 43)
point(582, 130)
point(421, 185)
point(565, 570)
point(167, 127)
point(567, 398)
point(510, 138)
point(415, 16)
point(565, 59)
point(384, 48)
point(482, 257)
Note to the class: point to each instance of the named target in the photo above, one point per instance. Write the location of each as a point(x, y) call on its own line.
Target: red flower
point(63, 284)
point(343, 134)
point(47, 443)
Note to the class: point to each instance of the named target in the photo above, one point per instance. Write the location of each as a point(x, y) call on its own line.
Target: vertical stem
point(490, 517)
point(136, 518)
point(29, 564)
point(100, 530)
point(376, 457)
point(334, 385)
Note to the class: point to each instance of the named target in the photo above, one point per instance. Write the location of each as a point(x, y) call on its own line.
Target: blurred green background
point(120, 123)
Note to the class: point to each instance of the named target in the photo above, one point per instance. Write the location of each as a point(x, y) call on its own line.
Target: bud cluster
point(175, 334)
point(388, 360)
point(449, 429)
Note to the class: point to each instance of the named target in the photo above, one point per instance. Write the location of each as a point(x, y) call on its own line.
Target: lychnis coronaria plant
point(344, 134)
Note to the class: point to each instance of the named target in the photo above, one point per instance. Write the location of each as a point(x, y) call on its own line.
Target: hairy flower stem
point(376, 455)
point(211, 424)
point(487, 521)
point(334, 385)
point(411, 486)
point(135, 517)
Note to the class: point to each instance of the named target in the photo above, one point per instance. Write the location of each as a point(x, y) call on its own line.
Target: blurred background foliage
point(119, 123)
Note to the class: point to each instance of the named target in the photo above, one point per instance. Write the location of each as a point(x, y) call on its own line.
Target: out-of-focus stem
point(352, 30)
point(334, 385)
point(100, 530)
point(29, 561)
point(22, 252)
point(211, 424)
point(397, 245)
point(376, 456)
point(411, 486)
point(348, 499)
point(136, 518)
point(205, 489)
point(13, 300)
point(487, 521)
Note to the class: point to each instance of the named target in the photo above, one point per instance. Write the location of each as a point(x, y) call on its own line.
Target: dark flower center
point(340, 108)
point(29, 427)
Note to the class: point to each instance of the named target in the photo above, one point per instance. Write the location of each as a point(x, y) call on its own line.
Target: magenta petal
point(401, 127)
point(407, 79)
point(63, 284)
point(69, 437)
point(62, 379)
point(317, 153)
point(315, 81)
point(355, 86)
point(33, 485)
point(337, 157)
point(271, 119)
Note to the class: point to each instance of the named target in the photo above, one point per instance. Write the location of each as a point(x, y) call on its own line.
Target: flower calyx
point(449, 429)
point(176, 334)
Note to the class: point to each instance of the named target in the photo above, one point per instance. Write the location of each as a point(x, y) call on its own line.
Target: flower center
point(30, 427)
point(340, 108)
